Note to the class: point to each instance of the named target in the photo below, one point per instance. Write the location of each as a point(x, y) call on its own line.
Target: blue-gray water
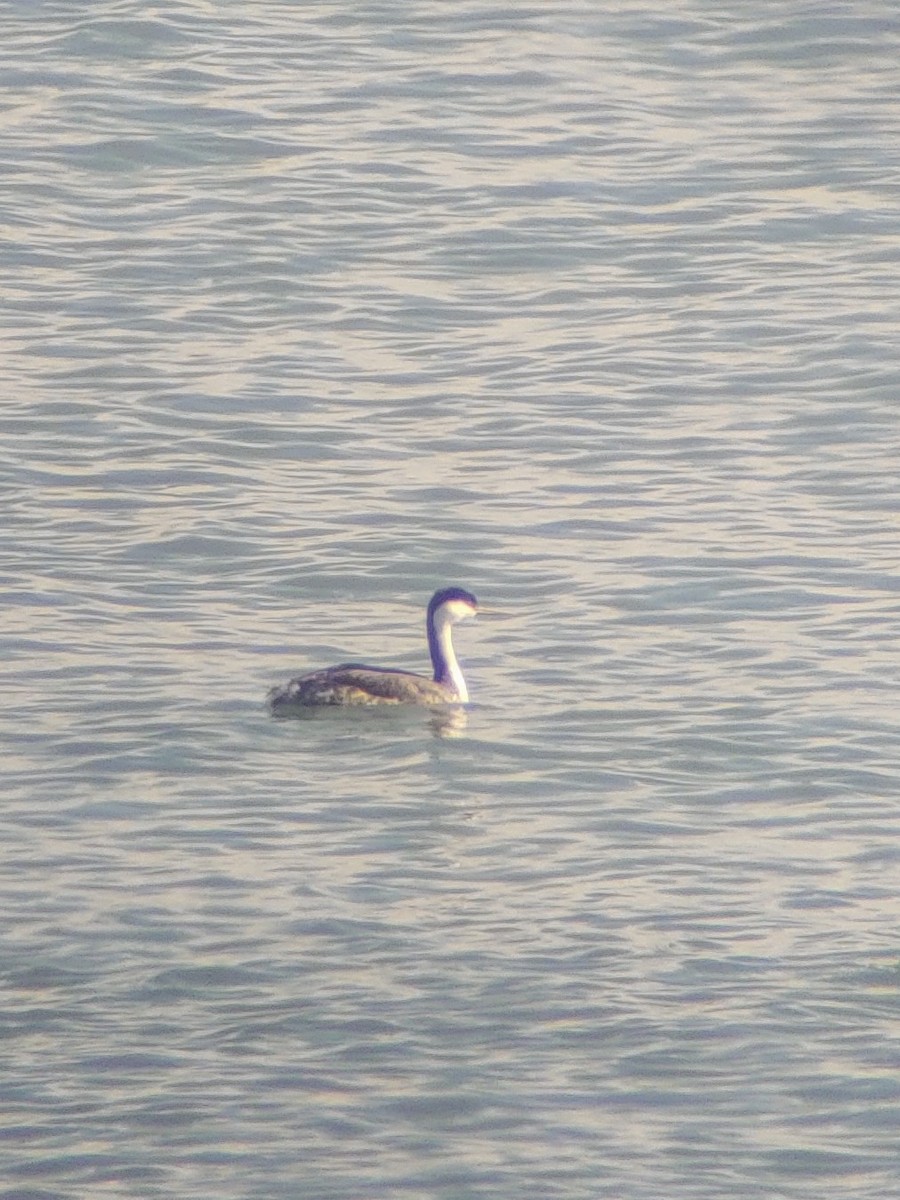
point(308, 309)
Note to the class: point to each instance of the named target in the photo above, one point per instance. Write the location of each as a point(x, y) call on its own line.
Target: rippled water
point(306, 311)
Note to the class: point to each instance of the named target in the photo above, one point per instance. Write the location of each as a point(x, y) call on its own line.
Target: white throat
point(448, 668)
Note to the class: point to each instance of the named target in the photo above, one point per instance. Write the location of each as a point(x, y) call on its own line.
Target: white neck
point(443, 657)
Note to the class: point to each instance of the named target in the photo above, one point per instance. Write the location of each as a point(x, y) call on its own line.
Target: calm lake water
point(307, 310)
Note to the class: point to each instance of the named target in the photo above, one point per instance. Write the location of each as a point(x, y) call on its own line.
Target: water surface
point(307, 311)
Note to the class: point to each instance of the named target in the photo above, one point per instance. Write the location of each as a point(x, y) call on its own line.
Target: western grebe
point(355, 683)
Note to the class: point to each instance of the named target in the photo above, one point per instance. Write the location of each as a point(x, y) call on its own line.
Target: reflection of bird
point(354, 683)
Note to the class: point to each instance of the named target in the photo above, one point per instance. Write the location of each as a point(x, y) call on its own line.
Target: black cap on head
point(451, 593)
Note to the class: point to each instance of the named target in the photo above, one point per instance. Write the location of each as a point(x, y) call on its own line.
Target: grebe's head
point(451, 605)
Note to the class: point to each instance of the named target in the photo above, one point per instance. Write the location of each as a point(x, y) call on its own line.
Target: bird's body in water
point(358, 684)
